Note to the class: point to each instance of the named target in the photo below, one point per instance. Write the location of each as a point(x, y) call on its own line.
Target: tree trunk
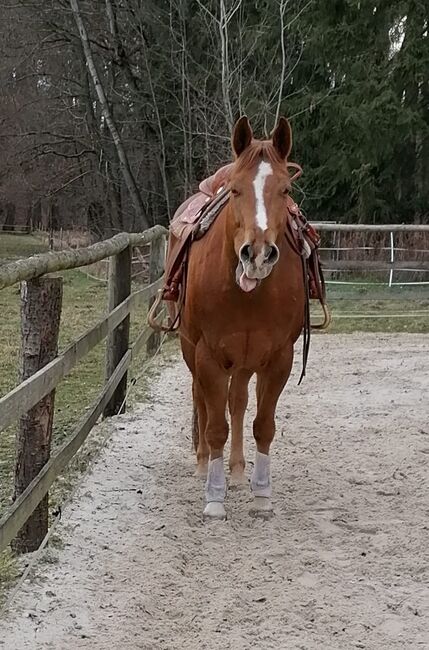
point(125, 166)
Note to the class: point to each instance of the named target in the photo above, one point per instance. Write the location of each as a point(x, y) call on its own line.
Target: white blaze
point(264, 170)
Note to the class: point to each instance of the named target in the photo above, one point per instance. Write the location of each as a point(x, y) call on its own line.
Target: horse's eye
point(286, 191)
point(234, 191)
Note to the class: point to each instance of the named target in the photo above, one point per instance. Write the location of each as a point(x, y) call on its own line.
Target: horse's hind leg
point(199, 417)
point(237, 400)
point(195, 428)
point(199, 425)
point(269, 386)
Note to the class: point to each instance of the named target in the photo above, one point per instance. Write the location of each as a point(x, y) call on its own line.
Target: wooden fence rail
point(115, 326)
point(38, 265)
point(32, 390)
point(15, 230)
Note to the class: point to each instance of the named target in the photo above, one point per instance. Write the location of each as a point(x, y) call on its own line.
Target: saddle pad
point(211, 185)
point(187, 214)
point(189, 211)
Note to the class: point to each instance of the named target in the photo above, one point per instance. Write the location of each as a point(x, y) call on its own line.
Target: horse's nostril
point(272, 254)
point(246, 253)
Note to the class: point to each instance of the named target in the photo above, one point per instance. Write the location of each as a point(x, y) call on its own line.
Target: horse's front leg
point(213, 382)
point(269, 386)
point(237, 401)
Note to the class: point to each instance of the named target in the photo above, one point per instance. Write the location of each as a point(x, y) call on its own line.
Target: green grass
point(15, 246)
point(383, 303)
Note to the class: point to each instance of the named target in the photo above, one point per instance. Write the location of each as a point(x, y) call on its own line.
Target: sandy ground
point(343, 563)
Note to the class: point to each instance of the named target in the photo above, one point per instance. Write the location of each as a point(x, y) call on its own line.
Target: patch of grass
point(9, 572)
point(394, 309)
point(16, 246)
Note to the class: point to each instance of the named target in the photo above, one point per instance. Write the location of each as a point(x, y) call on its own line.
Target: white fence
point(335, 263)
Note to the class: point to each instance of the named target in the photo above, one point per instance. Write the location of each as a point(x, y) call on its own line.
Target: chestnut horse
point(244, 310)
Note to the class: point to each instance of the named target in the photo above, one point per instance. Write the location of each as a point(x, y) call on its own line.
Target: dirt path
point(343, 564)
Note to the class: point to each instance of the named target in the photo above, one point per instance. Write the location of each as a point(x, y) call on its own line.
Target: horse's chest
point(245, 349)
point(244, 330)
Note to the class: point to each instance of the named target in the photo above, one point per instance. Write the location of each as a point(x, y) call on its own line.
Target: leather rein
point(308, 243)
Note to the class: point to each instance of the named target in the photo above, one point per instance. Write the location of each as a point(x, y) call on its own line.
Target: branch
point(223, 33)
point(282, 9)
point(76, 178)
point(64, 155)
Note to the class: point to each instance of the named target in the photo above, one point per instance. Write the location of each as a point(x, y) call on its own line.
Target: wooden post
point(156, 269)
point(41, 301)
point(118, 340)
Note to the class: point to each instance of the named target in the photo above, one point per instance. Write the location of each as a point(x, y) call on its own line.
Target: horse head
point(259, 186)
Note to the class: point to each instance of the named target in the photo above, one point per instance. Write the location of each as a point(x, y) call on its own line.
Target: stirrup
point(326, 320)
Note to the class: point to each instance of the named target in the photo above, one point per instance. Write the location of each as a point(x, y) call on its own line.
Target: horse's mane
point(258, 150)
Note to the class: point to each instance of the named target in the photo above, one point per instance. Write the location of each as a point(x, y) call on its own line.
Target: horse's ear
point(242, 135)
point(282, 138)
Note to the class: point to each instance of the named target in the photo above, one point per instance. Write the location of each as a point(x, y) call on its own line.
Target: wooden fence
point(24, 517)
point(31, 401)
point(15, 229)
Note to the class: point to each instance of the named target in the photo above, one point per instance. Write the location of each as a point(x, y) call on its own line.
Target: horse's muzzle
point(254, 266)
point(268, 255)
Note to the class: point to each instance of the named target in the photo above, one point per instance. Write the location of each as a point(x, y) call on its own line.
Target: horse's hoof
point(261, 508)
point(238, 479)
point(214, 511)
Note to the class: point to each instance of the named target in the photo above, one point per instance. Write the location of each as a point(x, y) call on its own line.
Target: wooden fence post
point(41, 301)
point(118, 340)
point(156, 269)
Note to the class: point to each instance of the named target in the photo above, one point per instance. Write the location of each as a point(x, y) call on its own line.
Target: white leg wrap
point(215, 484)
point(261, 479)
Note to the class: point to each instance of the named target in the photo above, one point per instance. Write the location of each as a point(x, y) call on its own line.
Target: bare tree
point(125, 166)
